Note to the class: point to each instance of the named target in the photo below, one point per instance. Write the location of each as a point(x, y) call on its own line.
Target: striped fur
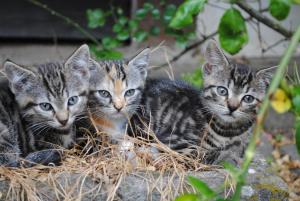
point(115, 92)
point(204, 121)
point(40, 105)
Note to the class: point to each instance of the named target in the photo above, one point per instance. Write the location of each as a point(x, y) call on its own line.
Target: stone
point(262, 185)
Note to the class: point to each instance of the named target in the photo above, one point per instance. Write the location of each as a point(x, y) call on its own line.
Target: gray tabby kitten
point(115, 92)
point(216, 120)
point(39, 105)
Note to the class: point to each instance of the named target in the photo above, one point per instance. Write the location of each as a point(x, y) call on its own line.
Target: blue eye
point(46, 106)
point(130, 92)
point(248, 99)
point(104, 93)
point(222, 91)
point(72, 100)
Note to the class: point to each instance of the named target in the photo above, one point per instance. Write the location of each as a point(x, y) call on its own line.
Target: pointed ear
point(93, 65)
point(264, 76)
point(215, 58)
point(140, 62)
point(20, 79)
point(78, 62)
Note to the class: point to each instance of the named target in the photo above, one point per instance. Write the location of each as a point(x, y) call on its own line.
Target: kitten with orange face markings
point(115, 93)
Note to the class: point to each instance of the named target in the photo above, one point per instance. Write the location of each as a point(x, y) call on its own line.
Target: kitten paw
point(44, 157)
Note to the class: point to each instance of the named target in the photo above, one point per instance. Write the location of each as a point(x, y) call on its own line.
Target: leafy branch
point(263, 19)
point(66, 19)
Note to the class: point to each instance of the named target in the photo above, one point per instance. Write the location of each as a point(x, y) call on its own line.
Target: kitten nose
point(118, 107)
point(62, 117)
point(233, 105)
point(62, 121)
point(232, 108)
point(118, 104)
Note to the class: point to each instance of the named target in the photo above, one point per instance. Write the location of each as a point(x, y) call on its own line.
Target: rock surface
point(262, 185)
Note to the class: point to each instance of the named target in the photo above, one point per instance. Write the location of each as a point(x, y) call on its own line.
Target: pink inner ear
point(207, 68)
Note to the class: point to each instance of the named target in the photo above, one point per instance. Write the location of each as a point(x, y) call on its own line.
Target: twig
point(274, 45)
point(263, 19)
point(66, 19)
point(249, 154)
point(187, 49)
point(191, 47)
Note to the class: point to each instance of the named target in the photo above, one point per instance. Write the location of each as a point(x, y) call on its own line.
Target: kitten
point(115, 93)
point(215, 121)
point(40, 104)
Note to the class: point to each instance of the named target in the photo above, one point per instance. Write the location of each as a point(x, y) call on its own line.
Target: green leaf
point(169, 13)
point(109, 43)
point(96, 18)
point(148, 6)
point(296, 104)
point(141, 14)
point(295, 94)
point(233, 171)
point(123, 35)
point(181, 41)
point(187, 197)
point(133, 25)
point(122, 20)
point(202, 188)
point(297, 136)
point(140, 36)
point(154, 30)
point(186, 11)
point(117, 27)
point(194, 78)
point(156, 14)
point(232, 30)
point(120, 11)
point(280, 8)
point(105, 54)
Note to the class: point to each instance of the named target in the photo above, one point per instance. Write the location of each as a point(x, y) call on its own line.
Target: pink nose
point(62, 121)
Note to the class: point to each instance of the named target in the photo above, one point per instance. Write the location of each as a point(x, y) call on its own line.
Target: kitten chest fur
point(114, 128)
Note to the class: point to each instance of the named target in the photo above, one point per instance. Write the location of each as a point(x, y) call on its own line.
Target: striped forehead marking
point(241, 75)
point(53, 78)
point(115, 69)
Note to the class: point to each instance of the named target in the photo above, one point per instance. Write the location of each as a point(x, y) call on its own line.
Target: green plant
point(125, 28)
point(195, 78)
point(177, 22)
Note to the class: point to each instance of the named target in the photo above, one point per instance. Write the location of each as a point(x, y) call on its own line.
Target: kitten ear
point(215, 58)
point(93, 65)
point(141, 62)
point(264, 76)
point(78, 62)
point(21, 79)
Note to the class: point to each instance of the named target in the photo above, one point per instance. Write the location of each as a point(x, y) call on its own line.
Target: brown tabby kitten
point(215, 121)
point(39, 106)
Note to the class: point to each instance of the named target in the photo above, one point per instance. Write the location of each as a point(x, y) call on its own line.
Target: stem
point(249, 154)
point(263, 19)
point(66, 19)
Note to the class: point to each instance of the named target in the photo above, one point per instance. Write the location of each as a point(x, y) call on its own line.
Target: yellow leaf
point(280, 101)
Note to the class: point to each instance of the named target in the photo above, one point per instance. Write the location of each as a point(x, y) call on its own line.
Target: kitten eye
point(104, 93)
point(248, 99)
point(72, 100)
point(46, 106)
point(222, 91)
point(130, 92)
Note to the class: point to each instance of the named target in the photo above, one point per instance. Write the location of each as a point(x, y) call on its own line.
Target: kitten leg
point(9, 150)
point(232, 153)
